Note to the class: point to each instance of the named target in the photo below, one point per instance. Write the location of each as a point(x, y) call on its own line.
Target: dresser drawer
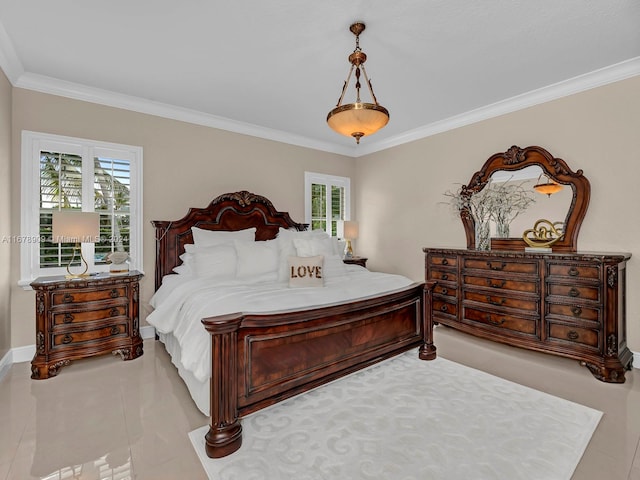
point(441, 307)
point(443, 275)
point(78, 337)
point(66, 297)
point(572, 335)
point(574, 270)
point(577, 312)
point(574, 291)
point(498, 300)
point(446, 291)
point(73, 316)
point(506, 266)
point(500, 320)
point(503, 284)
point(444, 260)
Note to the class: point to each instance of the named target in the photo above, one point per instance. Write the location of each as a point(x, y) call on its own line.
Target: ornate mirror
point(533, 167)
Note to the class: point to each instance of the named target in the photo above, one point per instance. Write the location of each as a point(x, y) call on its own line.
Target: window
point(60, 173)
point(327, 200)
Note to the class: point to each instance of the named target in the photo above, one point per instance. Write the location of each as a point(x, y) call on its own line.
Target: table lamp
point(77, 227)
point(349, 232)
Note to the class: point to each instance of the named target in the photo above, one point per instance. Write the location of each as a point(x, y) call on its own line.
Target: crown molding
point(597, 78)
point(44, 84)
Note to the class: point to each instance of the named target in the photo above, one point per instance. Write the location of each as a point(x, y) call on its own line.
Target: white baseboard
point(148, 332)
point(24, 354)
point(5, 363)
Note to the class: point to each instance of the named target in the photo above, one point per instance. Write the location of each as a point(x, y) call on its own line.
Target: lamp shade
point(358, 119)
point(70, 226)
point(349, 230)
point(548, 188)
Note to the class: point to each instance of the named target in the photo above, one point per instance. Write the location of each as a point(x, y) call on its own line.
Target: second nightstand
point(362, 261)
point(85, 317)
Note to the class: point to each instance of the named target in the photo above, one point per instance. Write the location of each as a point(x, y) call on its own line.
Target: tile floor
point(103, 418)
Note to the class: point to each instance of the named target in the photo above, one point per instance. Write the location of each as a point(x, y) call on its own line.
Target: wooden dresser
point(85, 317)
point(568, 304)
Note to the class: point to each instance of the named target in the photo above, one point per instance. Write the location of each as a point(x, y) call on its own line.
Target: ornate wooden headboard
point(231, 212)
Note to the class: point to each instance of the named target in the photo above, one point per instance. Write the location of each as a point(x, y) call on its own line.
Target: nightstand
point(78, 318)
point(362, 261)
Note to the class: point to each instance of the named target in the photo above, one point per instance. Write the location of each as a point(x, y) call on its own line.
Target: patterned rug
point(408, 419)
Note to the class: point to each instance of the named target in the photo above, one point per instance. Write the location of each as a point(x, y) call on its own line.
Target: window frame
point(35, 142)
point(329, 181)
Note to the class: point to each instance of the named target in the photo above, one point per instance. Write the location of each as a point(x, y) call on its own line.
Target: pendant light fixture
point(357, 119)
point(548, 188)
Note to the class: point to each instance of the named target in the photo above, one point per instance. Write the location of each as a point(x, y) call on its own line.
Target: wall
point(185, 165)
point(400, 190)
point(5, 214)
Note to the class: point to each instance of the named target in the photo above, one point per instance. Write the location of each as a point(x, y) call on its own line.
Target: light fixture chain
point(344, 87)
point(366, 77)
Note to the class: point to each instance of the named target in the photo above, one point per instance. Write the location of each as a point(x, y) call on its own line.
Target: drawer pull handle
point(445, 277)
point(577, 311)
point(496, 285)
point(445, 261)
point(496, 267)
point(444, 291)
point(115, 330)
point(114, 312)
point(114, 293)
point(574, 292)
point(68, 318)
point(495, 322)
point(68, 298)
point(573, 271)
point(572, 335)
point(444, 308)
point(67, 339)
point(495, 302)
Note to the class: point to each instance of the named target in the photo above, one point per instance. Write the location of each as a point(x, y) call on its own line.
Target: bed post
point(427, 349)
point(225, 431)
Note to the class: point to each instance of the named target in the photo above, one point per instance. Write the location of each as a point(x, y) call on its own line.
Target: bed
point(258, 359)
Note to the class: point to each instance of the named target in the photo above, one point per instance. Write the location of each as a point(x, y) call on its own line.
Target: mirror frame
point(516, 158)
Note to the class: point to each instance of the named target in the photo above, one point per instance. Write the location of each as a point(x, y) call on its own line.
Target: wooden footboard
point(258, 360)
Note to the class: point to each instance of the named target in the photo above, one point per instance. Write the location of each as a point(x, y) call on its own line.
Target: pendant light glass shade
point(359, 118)
point(548, 188)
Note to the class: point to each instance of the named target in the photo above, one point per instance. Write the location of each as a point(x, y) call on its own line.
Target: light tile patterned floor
point(103, 418)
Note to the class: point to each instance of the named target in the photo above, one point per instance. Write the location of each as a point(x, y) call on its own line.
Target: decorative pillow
point(208, 238)
point(216, 261)
point(286, 248)
point(306, 271)
point(256, 258)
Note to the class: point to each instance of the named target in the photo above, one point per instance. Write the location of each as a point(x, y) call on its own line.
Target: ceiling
point(274, 69)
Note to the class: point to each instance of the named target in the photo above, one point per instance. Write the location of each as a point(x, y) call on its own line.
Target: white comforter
point(182, 301)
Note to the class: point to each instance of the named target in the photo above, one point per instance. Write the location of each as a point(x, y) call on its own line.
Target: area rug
point(406, 419)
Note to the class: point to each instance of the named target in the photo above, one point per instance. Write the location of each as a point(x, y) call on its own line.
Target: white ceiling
point(275, 68)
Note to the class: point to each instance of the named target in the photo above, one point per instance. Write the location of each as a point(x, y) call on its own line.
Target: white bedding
point(183, 300)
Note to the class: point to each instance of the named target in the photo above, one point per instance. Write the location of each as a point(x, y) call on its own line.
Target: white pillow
point(216, 261)
point(306, 271)
point(208, 238)
point(256, 258)
point(309, 247)
point(286, 248)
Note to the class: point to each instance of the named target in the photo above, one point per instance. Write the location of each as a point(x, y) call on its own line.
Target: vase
point(482, 234)
point(502, 230)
